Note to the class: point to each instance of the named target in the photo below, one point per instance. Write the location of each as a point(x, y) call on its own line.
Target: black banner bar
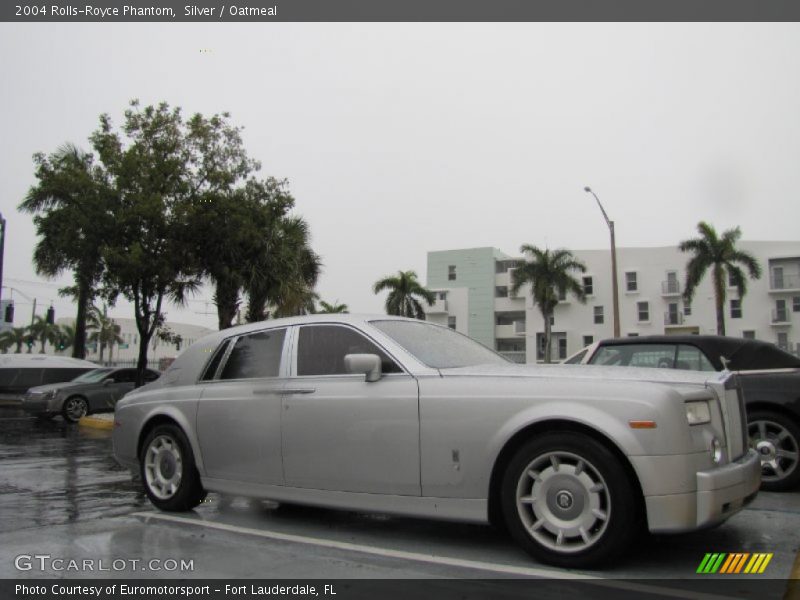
point(398, 10)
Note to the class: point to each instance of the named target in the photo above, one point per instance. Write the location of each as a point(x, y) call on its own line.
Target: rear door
point(239, 413)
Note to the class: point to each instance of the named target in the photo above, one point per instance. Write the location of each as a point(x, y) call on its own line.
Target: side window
point(690, 357)
point(321, 350)
point(212, 367)
point(125, 376)
point(605, 356)
point(652, 355)
point(150, 376)
point(255, 355)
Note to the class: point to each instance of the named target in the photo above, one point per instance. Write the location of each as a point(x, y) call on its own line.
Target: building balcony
point(784, 283)
point(505, 304)
point(439, 306)
point(673, 319)
point(780, 318)
point(670, 288)
point(516, 329)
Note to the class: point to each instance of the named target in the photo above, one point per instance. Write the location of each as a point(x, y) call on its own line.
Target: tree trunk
point(141, 363)
point(547, 339)
point(719, 298)
point(226, 297)
point(79, 343)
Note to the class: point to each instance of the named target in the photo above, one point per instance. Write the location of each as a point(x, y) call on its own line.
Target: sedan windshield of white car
point(438, 347)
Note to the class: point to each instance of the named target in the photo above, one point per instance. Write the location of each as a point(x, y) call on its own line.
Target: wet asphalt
point(61, 492)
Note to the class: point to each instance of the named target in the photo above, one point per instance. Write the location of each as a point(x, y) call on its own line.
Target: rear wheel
point(568, 501)
point(776, 438)
point(74, 409)
point(168, 471)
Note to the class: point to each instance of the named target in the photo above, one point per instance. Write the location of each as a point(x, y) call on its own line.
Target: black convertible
point(770, 380)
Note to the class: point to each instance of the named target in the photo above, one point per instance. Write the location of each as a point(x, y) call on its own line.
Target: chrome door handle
point(300, 391)
point(262, 391)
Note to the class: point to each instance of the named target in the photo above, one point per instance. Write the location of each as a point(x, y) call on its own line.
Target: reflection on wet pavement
point(52, 472)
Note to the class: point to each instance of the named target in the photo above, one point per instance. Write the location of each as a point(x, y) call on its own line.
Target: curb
point(97, 422)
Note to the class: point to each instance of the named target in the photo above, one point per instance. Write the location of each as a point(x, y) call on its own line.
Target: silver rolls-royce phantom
point(402, 416)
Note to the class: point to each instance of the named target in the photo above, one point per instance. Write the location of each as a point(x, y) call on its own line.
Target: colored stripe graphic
point(724, 563)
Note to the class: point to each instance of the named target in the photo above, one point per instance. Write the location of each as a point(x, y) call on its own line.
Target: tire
point(776, 438)
point(568, 501)
point(168, 471)
point(74, 408)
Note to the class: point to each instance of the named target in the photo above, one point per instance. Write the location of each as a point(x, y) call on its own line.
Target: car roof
point(742, 354)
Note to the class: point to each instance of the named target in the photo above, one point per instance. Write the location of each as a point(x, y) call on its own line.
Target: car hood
point(592, 372)
point(43, 389)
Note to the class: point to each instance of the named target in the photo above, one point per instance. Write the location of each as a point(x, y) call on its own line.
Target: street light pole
point(614, 285)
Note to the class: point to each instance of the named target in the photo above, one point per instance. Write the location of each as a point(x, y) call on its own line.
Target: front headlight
point(698, 412)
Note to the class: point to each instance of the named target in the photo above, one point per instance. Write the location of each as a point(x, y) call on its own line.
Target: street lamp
point(614, 287)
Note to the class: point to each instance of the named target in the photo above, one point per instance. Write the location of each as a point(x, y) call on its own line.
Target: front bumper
point(720, 493)
point(39, 405)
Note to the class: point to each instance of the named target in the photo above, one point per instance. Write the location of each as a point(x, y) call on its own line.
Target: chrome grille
point(735, 418)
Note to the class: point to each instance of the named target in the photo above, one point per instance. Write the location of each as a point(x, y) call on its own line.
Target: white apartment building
point(473, 296)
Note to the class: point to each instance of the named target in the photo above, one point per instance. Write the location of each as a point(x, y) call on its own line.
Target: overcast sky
point(398, 139)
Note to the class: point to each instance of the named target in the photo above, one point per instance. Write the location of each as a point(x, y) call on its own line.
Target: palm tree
point(404, 291)
point(65, 337)
point(284, 273)
point(16, 337)
point(73, 217)
point(43, 331)
point(332, 308)
point(550, 274)
point(105, 332)
point(6, 340)
point(723, 258)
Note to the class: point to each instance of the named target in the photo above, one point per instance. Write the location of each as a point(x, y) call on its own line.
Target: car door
point(239, 412)
point(340, 432)
point(124, 382)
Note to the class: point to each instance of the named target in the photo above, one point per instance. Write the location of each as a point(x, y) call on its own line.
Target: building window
point(442, 295)
point(501, 291)
point(796, 304)
point(588, 286)
point(731, 280)
point(643, 311)
point(451, 322)
point(631, 283)
point(749, 335)
point(562, 348)
point(598, 315)
point(588, 340)
point(633, 335)
point(687, 309)
point(451, 273)
point(783, 340)
point(736, 308)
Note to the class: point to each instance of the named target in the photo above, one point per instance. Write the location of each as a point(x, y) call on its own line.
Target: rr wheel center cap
point(564, 500)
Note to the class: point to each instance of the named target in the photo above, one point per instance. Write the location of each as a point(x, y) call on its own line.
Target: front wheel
point(776, 438)
point(170, 477)
point(74, 409)
point(568, 501)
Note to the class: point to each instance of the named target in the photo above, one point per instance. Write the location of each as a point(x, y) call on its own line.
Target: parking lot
point(62, 494)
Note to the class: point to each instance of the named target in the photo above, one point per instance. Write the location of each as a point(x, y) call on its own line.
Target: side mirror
point(368, 364)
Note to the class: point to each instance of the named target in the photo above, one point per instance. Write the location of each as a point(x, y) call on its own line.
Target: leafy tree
point(149, 257)
point(105, 332)
point(43, 331)
point(73, 217)
point(549, 274)
point(405, 293)
point(14, 337)
point(334, 308)
point(710, 251)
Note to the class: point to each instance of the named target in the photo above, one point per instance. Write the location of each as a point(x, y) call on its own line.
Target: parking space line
point(432, 558)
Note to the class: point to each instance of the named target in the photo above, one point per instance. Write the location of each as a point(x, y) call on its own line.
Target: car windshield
point(438, 347)
point(93, 376)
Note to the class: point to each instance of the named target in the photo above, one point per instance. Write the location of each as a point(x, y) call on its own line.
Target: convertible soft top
point(741, 354)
